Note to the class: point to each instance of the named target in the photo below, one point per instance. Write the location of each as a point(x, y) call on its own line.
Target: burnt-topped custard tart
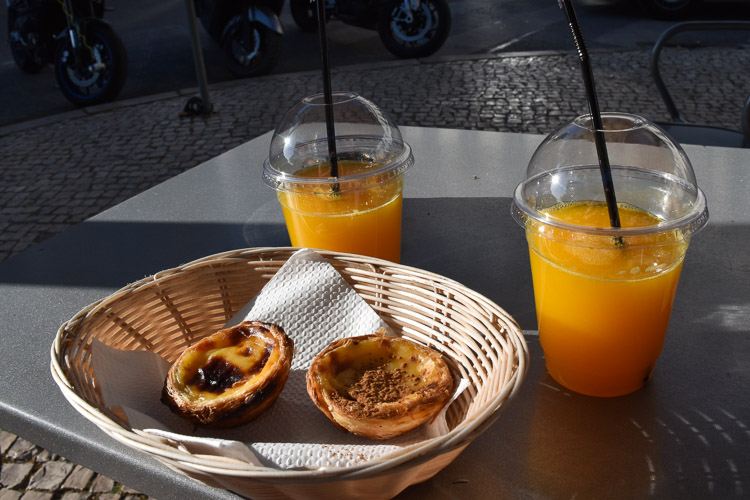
point(378, 386)
point(230, 377)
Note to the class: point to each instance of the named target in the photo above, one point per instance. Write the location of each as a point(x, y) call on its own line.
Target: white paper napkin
point(315, 306)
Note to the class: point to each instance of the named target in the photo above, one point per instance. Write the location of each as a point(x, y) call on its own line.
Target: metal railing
point(672, 32)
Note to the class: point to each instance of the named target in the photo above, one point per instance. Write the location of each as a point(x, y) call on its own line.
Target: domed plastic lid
point(627, 137)
point(650, 171)
point(364, 133)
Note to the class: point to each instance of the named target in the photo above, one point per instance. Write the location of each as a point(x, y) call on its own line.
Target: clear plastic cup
point(603, 295)
point(359, 211)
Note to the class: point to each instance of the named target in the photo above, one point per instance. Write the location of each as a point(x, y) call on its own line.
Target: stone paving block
point(75, 495)
point(51, 476)
point(6, 438)
point(109, 496)
point(13, 475)
point(21, 450)
point(36, 495)
point(102, 484)
point(6, 494)
point(79, 478)
point(129, 491)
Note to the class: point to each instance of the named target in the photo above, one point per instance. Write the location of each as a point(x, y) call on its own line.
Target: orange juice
point(602, 306)
point(361, 216)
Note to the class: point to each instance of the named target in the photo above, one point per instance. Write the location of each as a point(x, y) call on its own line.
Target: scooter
point(249, 32)
point(91, 63)
point(407, 28)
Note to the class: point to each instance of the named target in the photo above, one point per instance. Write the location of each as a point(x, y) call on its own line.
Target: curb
point(188, 91)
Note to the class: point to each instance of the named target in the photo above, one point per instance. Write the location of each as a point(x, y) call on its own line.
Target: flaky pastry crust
point(379, 387)
point(230, 377)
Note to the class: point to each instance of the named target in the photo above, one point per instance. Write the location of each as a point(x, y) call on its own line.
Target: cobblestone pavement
point(62, 170)
point(30, 473)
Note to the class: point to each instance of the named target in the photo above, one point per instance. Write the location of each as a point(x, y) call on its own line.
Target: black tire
point(670, 10)
point(305, 15)
point(427, 32)
point(257, 57)
point(29, 55)
point(84, 85)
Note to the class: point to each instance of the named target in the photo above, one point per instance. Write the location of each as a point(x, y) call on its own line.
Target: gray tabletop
point(687, 434)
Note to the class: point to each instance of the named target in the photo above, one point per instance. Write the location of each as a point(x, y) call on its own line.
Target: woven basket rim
point(460, 435)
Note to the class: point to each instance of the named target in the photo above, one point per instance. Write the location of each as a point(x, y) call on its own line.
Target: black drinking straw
point(596, 116)
point(330, 129)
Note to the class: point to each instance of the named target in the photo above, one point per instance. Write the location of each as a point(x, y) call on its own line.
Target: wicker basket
point(167, 312)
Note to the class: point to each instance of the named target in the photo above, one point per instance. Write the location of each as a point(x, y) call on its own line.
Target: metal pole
point(200, 67)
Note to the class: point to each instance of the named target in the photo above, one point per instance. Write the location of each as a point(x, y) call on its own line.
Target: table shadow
point(474, 241)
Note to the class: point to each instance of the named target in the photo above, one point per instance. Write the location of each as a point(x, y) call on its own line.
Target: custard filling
point(370, 367)
point(227, 364)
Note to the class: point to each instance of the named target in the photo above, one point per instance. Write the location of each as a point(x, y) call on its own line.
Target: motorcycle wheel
point(423, 36)
point(670, 10)
point(305, 15)
point(255, 58)
point(103, 71)
point(29, 55)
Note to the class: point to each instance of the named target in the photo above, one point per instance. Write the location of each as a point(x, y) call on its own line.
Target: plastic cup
point(358, 211)
point(603, 295)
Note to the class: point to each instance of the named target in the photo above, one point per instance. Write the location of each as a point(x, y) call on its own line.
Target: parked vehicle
point(669, 9)
point(407, 28)
point(249, 32)
point(683, 9)
point(91, 63)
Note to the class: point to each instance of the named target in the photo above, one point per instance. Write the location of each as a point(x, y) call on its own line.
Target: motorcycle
point(91, 63)
point(248, 31)
point(407, 28)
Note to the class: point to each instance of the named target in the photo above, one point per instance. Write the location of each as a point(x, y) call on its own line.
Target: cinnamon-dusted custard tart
point(379, 387)
point(230, 377)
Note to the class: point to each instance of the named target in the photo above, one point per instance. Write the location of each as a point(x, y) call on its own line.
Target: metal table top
point(686, 434)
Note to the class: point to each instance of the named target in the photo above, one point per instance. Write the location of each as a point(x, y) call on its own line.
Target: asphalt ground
point(60, 170)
